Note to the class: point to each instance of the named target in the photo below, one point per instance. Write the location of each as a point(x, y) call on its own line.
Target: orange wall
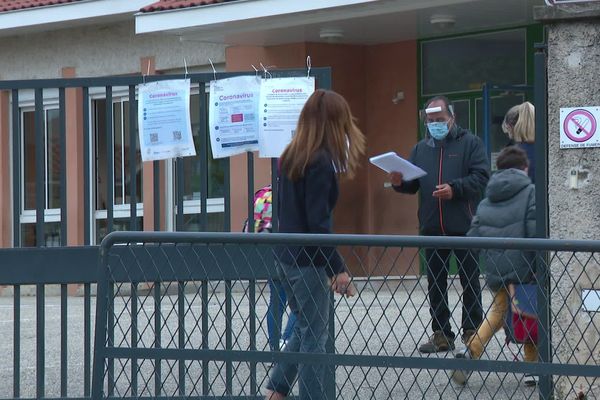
point(394, 126)
point(348, 70)
point(74, 159)
point(148, 65)
point(391, 68)
point(5, 178)
point(240, 58)
point(368, 77)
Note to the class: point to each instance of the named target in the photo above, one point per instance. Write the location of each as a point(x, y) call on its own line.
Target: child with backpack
point(508, 210)
point(263, 214)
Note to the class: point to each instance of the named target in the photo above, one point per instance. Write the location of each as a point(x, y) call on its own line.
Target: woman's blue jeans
point(309, 295)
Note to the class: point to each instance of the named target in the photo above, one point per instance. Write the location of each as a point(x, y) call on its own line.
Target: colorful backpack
point(263, 210)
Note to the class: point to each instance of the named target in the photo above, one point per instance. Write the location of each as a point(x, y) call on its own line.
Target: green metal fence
point(183, 315)
point(47, 333)
point(35, 175)
point(55, 367)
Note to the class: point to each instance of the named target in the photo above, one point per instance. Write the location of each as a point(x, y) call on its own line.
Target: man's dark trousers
point(438, 261)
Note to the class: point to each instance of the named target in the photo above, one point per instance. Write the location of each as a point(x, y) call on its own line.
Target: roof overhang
point(67, 15)
point(245, 14)
point(270, 22)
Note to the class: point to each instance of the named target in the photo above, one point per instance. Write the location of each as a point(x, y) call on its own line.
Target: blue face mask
point(438, 130)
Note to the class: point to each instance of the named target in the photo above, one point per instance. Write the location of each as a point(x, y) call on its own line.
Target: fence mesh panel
point(193, 298)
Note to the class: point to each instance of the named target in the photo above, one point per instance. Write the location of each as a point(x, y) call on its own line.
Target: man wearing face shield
point(457, 172)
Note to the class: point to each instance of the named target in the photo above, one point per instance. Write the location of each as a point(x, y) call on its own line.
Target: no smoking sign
point(579, 127)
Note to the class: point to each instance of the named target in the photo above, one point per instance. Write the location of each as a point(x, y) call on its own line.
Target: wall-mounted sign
point(579, 127)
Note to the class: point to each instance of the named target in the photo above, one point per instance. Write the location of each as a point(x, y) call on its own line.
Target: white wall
point(98, 51)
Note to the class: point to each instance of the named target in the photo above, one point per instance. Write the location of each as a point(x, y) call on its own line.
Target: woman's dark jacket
point(306, 206)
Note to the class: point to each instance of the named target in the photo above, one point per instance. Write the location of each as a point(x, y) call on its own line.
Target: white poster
point(281, 100)
point(233, 118)
point(579, 127)
point(164, 120)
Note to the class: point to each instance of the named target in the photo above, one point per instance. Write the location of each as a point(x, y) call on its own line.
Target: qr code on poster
point(153, 137)
point(176, 135)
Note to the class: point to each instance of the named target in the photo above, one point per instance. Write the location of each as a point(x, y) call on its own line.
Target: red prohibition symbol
point(580, 125)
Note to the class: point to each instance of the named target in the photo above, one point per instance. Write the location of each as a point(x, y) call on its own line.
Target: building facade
point(386, 56)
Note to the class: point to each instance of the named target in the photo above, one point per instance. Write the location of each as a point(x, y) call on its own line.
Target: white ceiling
point(406, 24)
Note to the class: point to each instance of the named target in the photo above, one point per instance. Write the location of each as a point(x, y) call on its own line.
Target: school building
point(386, 58)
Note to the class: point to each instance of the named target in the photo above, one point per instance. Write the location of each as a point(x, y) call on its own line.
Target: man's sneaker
point(438, 342)
point(530, 380)
point(467, 335)
point(461, 376)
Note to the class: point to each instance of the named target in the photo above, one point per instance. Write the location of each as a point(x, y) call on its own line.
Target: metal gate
point(183, 315)
point(106, 110)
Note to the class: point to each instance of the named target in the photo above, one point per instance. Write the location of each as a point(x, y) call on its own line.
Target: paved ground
point(388, 319)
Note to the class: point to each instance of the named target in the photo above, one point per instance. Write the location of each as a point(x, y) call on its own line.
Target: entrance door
point(490, 110)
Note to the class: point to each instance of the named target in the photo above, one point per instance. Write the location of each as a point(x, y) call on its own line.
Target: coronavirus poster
point(281, 101)
point(164, 120)
point(233, 118)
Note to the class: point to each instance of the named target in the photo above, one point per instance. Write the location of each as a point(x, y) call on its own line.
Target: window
point(458, 66)
point(499, 105)
point(192, 174)
point(122, 179)
point(51, 176)
point(121, 168)
point(464, 63)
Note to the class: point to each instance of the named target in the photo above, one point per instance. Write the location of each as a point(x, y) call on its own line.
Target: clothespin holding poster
point(213, 68)
point(308, 66)
point(267, 73)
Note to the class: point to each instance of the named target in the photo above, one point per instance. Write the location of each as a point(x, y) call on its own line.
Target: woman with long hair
point(327, 143)
point(519, 126)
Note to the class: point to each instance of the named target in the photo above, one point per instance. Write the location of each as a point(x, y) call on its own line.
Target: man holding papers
point(457, 171)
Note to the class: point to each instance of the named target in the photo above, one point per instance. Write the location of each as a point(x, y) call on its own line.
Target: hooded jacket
point(508, 210)
point(459, 160)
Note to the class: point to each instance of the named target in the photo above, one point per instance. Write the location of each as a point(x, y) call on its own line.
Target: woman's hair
point(512, 157)
point(325, 123)
point(519, 123)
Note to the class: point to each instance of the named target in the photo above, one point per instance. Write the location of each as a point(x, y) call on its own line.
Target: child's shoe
point(460, 376)
point(530, 380)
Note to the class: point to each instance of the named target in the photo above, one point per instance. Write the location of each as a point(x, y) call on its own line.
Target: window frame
point(28, 216)
point(423, 42)
point(120, 95)
point(194, 206)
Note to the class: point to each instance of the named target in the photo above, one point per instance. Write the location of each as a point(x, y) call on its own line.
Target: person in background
point(508, 210)
point(327, 143)
point(519, 126)
point(263, 215)
point(457, 171)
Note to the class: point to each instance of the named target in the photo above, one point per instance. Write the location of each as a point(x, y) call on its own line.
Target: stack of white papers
point(392, 162)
